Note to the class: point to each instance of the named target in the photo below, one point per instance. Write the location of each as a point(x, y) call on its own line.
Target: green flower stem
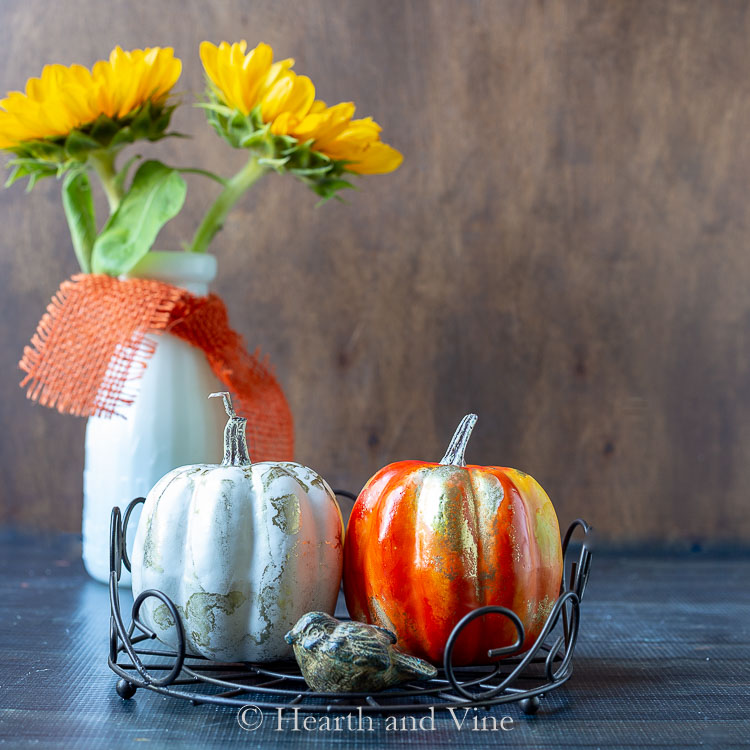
point(104, 165)
point(217, 214)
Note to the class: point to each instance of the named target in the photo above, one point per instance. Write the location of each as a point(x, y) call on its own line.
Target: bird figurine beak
point(289, 638)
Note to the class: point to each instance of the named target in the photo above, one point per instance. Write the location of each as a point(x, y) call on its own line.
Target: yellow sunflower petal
point(255, 68)
point(208, 54)
point(377, 158)
point(282, 124)
point(63, 98)
point(275, 72)
point(291, 93)
point(301, 97)
point(362, 131)
point(324, 126)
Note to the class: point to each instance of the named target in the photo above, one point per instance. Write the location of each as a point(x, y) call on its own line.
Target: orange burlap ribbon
point(81, 356)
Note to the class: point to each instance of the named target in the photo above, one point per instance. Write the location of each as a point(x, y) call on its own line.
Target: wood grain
point(564, 251)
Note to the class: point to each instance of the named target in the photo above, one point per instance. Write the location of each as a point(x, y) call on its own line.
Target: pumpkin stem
point(454, 456)
point(235, 441)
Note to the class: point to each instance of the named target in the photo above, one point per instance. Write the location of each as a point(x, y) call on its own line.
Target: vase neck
point(190, 271)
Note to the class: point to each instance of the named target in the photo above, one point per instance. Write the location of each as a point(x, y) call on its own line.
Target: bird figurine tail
point(410, 667)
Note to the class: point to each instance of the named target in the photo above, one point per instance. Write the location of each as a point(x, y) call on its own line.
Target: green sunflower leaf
point(156, 196)
point(78, 203)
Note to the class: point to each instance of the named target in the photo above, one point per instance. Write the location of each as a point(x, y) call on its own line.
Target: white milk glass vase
point(171, 422)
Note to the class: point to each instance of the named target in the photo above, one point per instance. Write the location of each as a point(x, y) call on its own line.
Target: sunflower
point(257, 103)
point(69, 112)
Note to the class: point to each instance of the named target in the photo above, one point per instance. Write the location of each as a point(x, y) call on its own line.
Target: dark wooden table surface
point(663, 660)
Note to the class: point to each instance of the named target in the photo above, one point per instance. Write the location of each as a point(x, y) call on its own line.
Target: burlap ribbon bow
point(80, 357)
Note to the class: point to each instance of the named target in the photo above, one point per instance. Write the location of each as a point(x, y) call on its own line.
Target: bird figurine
point(351, 657)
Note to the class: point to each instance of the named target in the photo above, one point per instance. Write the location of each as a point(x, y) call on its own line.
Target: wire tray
point(520, 677)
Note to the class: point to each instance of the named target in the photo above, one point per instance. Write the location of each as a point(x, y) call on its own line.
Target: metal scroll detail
point(522, 677)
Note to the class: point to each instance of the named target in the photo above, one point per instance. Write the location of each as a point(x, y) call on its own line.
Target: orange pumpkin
point(427, 543)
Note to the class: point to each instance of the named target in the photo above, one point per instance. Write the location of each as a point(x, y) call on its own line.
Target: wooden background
point(565, 250)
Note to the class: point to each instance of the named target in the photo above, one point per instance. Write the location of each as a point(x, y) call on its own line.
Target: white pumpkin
point(242, 549)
